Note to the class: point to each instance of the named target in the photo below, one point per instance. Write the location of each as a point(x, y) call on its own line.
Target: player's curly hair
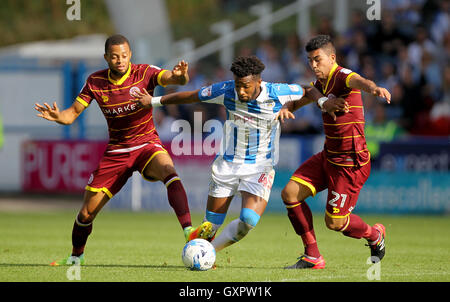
point(320, 41)
point(115, 40)
point(247, 65)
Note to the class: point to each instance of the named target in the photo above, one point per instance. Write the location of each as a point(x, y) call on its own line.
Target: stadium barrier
point(65, 166)
point(59, 166)
point(384, 192)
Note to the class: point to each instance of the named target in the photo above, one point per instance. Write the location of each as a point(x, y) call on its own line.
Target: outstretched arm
point(145, 100)
point(312, 94)
point(178, 76)
point(287, 112)
point(358, 82)
point(65, 117)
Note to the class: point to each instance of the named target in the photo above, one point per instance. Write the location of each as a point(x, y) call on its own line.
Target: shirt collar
point(122, 79)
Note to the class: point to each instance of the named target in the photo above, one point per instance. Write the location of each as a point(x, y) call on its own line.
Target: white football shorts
point(228, 178)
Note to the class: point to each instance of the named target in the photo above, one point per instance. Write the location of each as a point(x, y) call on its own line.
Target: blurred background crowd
point(408, 53)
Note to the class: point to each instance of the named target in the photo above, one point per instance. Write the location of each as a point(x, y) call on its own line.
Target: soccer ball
point(198, 255)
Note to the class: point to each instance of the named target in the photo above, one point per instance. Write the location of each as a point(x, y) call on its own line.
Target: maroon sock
point(301, 219)
point(357, 228)
point(178, 199)
point(80, 234)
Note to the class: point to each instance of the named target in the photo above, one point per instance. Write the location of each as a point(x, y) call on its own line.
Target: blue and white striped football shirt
point(251, 133)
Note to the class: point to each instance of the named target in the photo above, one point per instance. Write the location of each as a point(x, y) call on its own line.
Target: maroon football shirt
point(345, 143)
point(128, 125)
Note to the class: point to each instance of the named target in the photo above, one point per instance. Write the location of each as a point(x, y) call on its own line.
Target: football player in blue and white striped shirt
point(249, 146)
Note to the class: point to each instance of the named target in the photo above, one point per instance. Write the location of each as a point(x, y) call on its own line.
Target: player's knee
point(85, 217)
point(294, 192)
point(170, 170)
point(288, 196)
point(161, 173)
point(334, 224)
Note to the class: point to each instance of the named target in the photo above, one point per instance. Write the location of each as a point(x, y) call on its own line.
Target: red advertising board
point(59, 166)
point(65, 166)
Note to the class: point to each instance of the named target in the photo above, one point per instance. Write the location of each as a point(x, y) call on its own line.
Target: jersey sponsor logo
point(206, 92)
point(105, 99)
point(345, 71)
point(134, 90)
point(245, 119)
point(268, 103)
point(119, 110)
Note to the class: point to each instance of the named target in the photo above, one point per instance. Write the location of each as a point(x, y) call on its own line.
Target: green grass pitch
point(145, 247)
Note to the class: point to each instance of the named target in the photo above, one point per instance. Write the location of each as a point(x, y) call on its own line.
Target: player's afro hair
point(115, 40)
point(320, 41)
point(247, 65)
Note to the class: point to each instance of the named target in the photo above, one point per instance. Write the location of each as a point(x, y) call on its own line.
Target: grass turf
point(147, 247)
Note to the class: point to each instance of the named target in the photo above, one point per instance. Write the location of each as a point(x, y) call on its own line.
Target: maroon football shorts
point(117, 166)
point(343, 183)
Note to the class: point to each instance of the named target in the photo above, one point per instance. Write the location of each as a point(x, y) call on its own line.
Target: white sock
point(233, 232)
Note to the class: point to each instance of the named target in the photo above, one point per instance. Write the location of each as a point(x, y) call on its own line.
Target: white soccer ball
point(198, 255)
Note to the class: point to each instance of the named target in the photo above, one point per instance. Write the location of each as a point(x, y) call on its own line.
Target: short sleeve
point(288, 92)
point(153, 75)
point(86, 95)
point(346, 74)
point(215, 93)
